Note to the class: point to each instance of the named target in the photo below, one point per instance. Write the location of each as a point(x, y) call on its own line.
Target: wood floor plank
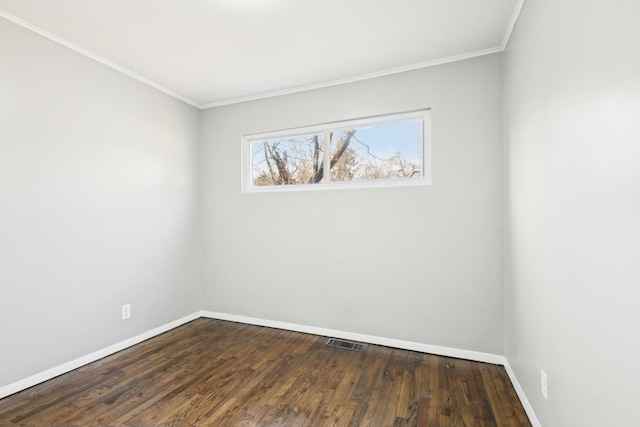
point(362, 394)
point(216, 373)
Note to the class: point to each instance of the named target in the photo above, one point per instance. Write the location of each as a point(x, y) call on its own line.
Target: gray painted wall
point(422, 264)
point(572, 84)
point(98, 206)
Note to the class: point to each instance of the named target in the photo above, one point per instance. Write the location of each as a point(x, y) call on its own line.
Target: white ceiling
point(212, 52)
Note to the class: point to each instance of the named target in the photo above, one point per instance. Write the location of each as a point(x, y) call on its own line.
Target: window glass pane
point(391, 150)
point(287, 161)
point(382, 151)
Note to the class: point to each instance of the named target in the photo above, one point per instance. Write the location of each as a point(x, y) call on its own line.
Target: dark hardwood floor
point(217, 373)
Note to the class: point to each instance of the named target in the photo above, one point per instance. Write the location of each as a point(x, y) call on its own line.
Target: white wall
point(422, 264)
point(98, 205)
point(572, 84)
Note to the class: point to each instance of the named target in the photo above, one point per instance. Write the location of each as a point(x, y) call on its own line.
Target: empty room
point(319, 213)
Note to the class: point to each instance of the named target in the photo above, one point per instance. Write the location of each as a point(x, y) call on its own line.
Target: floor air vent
point(347, 345)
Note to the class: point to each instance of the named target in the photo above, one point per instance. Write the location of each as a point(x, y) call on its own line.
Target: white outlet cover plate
point(126, 311)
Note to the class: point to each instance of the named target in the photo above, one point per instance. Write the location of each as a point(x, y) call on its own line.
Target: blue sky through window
point(387, 139)
point(379, 148)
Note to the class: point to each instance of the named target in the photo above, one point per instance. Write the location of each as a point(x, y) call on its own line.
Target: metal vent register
point(347, 345)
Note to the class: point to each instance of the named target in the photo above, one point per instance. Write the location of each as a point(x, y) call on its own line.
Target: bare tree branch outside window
point(356, 155)
point(369, 150)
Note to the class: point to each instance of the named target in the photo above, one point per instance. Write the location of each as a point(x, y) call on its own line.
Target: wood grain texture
point(218, 373)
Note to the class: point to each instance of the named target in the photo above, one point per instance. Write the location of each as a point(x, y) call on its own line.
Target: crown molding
point(512, 23)
point(11, 18)
point(358, 78)
point(505, 40)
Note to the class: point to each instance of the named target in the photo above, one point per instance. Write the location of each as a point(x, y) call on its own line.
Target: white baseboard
point(523, 397)
point(390, 342)
point(371, 339)
point(74, 364)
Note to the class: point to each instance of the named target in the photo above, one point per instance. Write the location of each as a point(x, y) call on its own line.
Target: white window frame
point(325, 129)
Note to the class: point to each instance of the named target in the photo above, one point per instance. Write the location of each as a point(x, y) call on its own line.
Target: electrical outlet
point(543, 384)
point(126, 311)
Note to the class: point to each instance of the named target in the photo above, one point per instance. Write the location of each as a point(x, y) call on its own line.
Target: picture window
point(390, 150)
